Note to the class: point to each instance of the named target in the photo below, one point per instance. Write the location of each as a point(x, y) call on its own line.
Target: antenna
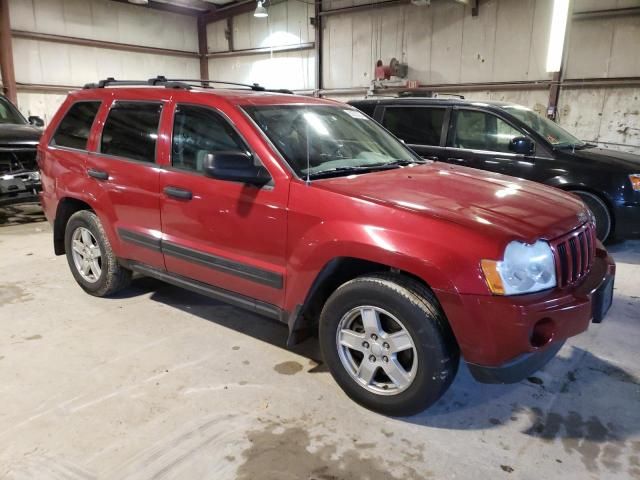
point(306, 127)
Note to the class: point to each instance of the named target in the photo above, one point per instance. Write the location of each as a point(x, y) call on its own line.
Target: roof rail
point(162, 81)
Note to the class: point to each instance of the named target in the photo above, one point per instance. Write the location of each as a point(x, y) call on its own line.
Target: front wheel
point(387, 344)
point(600, 212)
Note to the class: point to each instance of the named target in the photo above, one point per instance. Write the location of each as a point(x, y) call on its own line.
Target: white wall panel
point(105, 20)
point(294, 70)
point(43, 105)
point(216, 37)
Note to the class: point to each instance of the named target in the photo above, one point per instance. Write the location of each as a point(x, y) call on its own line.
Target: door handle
point(460, 160)
point(179, 193)
point(430, 157)
point(97, 174)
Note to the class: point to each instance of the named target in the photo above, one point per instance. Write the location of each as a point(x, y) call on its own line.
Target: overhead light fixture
point(139, 2)
point(260, 12)
point(557, 34)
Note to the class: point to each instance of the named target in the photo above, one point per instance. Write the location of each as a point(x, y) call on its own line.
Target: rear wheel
point(90, 257)
point(387, 344)
point(600, 212)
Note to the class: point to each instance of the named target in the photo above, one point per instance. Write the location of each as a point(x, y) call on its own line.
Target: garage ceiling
point(190, 7)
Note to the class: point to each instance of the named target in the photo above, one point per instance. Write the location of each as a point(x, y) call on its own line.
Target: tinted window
point(131, 131)
point(8, 113)
point(482, 131)
point(198, 131)
point(367, 108)
point(415, 125)
point(74, 129)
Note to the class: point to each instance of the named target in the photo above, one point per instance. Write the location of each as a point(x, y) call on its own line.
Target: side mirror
point(36, 121)
point(522, 145)
point(235, 167)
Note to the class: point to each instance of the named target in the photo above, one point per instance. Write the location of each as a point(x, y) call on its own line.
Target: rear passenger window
point(74, 129)
point(131, 131)
point(415, 125)
point(198, 131)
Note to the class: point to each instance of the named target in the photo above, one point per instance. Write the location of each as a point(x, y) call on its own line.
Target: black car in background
point(19, 137)
point(514, 140)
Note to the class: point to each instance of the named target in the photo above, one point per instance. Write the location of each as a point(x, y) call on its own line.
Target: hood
point(492, 203)
point(19, 135)
point(602, 157)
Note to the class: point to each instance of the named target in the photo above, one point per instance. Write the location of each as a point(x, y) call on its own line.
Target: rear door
point(223, 233)
point(422, 128)
point(125, 177)
point(480, 139)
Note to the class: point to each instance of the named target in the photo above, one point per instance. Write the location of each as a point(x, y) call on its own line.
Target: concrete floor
point(162, 383)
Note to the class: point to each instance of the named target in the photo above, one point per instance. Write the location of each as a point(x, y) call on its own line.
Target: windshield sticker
point(552, 139)
point(356, 114)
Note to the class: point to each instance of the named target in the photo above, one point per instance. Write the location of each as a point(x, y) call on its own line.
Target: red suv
point(309, 212)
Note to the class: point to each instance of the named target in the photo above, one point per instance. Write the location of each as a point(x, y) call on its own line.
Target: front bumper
point(16, 191)
point(627, 218)
point(506, 339)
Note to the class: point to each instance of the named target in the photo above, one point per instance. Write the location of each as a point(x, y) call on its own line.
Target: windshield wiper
point(336, 171)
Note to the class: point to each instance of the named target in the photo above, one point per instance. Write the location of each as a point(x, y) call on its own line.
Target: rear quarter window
point(75, 127)
point(415, 125)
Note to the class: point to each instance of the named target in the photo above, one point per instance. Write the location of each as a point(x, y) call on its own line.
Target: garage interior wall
point(500, 54)
point(41, 66)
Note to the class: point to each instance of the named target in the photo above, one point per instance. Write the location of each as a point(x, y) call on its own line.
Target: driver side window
point(476, 130)
point(197, 132)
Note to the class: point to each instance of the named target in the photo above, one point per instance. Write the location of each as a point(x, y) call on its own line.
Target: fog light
point(542, 333)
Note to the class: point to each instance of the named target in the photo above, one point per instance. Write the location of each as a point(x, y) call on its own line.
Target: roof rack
point(163, 81)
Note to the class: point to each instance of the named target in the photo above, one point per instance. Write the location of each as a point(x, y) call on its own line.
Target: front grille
point(574, 254)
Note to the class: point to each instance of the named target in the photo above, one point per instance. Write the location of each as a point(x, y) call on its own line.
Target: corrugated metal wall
point(43, 62)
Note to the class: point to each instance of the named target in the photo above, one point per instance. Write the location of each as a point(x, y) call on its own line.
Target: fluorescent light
point(260, 12)
point(557, 34)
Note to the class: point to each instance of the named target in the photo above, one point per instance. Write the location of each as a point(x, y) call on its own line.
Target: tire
point(430, 363)
point(600, 212)
point(83, 235)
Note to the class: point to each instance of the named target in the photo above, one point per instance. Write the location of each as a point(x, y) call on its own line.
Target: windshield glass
point(8, 113)
point(555, 135)
point(321, 140)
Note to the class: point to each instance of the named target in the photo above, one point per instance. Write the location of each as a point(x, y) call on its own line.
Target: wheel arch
point(337, 271)
point(573, 188)
point(67, 206)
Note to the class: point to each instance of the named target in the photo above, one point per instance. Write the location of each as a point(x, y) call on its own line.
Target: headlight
point(635, 181)
point(34, 176)
point(524, 269)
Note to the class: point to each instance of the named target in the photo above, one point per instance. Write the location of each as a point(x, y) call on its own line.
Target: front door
point(125, 176)
point(223, 233)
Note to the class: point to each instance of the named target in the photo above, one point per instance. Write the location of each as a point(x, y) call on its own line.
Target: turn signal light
point(635, 181)
point(492, 276)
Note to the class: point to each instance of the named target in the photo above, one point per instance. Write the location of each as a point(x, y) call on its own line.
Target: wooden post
point(202, 48)
point(6, 54)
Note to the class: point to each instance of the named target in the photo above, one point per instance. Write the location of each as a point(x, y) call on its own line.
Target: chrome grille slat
point(574, 254)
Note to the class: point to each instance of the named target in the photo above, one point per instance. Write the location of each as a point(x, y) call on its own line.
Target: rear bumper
point(505, 339)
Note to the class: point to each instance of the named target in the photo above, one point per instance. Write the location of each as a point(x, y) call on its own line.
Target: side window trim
point(98, 151)
point(51, 143)
point(225, 118)
point(453, 130)
point(445, 119)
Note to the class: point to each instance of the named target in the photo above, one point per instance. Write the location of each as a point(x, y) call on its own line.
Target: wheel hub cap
point(86, 254)
point(376, 350)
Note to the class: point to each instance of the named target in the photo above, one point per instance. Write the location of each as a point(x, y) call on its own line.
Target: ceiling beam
point(171, 8)
point(230, 11)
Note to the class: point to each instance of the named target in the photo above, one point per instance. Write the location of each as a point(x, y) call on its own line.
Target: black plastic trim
point(140, 239)
point(224, 264)
point(517, 369)
point(241, 301)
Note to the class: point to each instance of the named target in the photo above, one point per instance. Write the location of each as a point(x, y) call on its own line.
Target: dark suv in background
point(514, 140)
point(19, 137)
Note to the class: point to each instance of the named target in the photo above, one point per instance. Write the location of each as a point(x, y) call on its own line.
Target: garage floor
point(162, 383)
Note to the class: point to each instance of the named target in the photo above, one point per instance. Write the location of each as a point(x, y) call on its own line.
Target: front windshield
point(551, 131)
point(321, 140)
point(8, 113)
